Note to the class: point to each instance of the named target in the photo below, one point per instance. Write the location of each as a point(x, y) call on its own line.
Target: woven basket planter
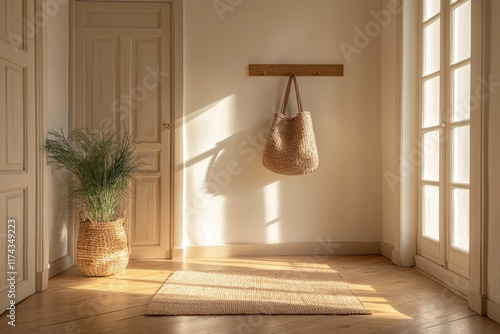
point(102, 248)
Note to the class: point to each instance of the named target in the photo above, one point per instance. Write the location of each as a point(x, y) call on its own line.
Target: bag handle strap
point(287, 94)
point(291, 78)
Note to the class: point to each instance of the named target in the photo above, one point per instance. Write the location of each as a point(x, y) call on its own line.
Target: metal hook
point(319, 73)
point(265, 72)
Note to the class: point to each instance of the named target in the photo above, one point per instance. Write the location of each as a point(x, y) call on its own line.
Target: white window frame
point(442, 252)
point(474, 288)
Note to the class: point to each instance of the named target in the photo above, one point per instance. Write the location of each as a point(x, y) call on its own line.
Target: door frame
point(176, 144)
point(44, 268)
point(42, 229)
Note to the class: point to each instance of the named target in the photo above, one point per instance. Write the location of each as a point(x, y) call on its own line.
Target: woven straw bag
point(291, 146)
point(102, 249)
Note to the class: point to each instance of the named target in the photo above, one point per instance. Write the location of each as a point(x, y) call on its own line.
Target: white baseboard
point(386, 250)
point(42, 280)
point(477, 302)
point(177, 254)
point(298, 248)
point(493, 311)
point(447, 278)
point(60, 265)
point(396, 259)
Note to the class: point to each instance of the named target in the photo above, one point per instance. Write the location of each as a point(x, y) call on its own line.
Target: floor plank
point(401, 299)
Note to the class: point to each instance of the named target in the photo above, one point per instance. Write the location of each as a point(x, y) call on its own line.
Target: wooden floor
point(401, 299)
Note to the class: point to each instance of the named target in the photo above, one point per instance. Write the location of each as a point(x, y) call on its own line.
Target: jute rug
point(272, 292)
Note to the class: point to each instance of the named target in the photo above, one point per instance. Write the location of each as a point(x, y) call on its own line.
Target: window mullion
point(445, 130)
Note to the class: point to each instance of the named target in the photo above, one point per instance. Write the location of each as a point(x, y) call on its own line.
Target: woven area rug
point(272, 292)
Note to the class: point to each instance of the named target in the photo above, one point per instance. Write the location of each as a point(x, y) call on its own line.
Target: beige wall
point(388, 112)
point(492, 105)
point(230, 197)
point(57, 117)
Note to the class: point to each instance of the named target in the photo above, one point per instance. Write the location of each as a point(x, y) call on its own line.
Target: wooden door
point(17, 152)
point(122, 82)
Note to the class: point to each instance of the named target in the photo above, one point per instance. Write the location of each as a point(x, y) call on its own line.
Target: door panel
point(145, 221)
point(17, 152)
point(102, 80)
point(13, 18)
point(13, 203)
point(124, 84)
point(12, 117)
point(122, 16)
point(146, 98)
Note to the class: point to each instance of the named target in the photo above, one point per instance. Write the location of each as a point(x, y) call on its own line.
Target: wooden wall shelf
point(327, 70)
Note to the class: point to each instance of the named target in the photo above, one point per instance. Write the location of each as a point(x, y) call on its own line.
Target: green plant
point(102, 164)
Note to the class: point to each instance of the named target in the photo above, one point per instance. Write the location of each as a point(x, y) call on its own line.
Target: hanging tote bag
point(291, 146)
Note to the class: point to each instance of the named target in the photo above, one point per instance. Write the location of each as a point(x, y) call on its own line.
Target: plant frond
point(102, 164)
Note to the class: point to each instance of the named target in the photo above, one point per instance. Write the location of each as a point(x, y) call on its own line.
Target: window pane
point(430, 212)
point(430, 103)
point(432, 43)
point(430, 156)
point(460, 219)
point(431, 8)
point(461, 154)
point(461, 94)
point(461, 32)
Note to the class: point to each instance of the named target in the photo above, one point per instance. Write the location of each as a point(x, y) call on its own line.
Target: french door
point(445, 133)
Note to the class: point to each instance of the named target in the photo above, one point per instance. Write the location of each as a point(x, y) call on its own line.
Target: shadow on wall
point(234, 199)
point(234, 161)
point(235, 172)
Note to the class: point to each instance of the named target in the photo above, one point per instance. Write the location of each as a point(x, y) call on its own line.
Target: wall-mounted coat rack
point(299, 70)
